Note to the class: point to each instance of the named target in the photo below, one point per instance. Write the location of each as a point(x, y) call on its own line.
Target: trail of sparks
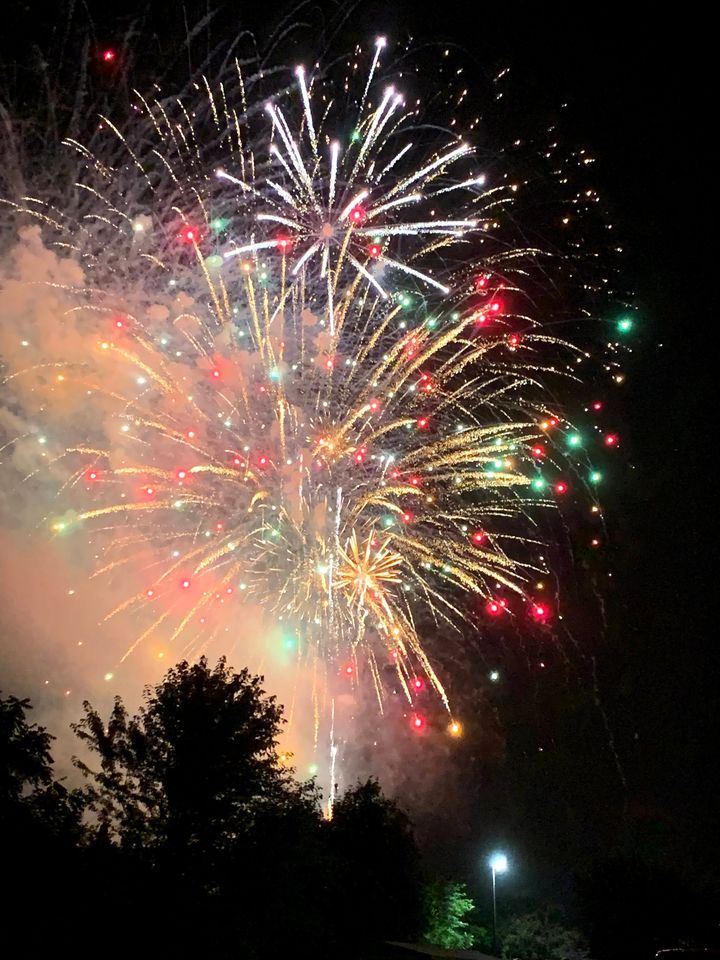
point(287, 426)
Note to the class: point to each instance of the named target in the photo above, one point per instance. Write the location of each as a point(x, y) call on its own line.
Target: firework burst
point(311, 392)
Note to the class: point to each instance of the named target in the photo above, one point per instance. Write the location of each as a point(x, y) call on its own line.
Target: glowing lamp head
point(537, 451)
point(625, 324)
point(357, 215)
point(348, 670)
point(561, 487)
point(120, 323)
point(109, 55)
point(374, 250)
point(407, 517)
point(185, 584)
point(283, 244)
point(495, 307)
point(498, 862)
point(215, 373)
point(481, 282)
point(418, 684)
point(479, 537)
point(611, 439)
point(92, 475)
point(374, 406)
point(422, 423)
point(263, 461)
point(181, 475)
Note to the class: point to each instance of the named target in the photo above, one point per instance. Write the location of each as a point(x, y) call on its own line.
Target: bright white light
point(498, 863)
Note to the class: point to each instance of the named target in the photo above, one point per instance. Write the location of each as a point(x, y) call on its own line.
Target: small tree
point(193, 768)
point(30, 797)
point(40, 834)
point(446, 906)
point(537, 936)
point(377, 872)
point(25, 752)
point(204, 822)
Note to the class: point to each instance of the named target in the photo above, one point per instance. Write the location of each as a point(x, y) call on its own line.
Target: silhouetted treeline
point(192, 838)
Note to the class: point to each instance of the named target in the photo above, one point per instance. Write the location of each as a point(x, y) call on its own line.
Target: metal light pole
point(498, 864)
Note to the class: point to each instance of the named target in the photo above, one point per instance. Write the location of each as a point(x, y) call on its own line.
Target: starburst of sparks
point(279, 421)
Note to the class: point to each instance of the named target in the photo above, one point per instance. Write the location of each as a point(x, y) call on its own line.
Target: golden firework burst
point(367, 570)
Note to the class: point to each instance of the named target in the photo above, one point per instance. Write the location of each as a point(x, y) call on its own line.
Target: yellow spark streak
point(143, 636)
point(126, 508)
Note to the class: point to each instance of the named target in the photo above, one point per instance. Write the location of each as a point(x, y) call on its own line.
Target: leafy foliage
point(446, 905)
point(193, 768)
point(197, 840)
point(30, 798)
point(538, 936)
point(377, 864)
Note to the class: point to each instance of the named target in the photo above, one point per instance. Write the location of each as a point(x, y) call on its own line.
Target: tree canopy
point(193, 838)
point(539, 936)
point(447, 904)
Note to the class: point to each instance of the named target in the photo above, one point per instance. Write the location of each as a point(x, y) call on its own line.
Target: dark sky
point(635, 83)
point(637, 88)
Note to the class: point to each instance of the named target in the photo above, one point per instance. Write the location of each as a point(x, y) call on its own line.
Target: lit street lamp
point(498, 864)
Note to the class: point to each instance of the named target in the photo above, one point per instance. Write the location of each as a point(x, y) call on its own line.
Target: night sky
point(634, 92)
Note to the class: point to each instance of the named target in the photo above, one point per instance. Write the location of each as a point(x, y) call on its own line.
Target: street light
point(498, 864)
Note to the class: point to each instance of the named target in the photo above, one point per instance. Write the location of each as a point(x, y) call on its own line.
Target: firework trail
point(311, 388)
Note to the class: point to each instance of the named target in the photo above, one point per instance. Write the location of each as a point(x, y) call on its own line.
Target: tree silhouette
point(193, 792)
point(40, 832)
point(539, 936)
point(198, 841)
point(377, 864)
point(31, 800)
point(195, 765)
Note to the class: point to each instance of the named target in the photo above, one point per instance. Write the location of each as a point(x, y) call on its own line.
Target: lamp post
point(498, 864)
